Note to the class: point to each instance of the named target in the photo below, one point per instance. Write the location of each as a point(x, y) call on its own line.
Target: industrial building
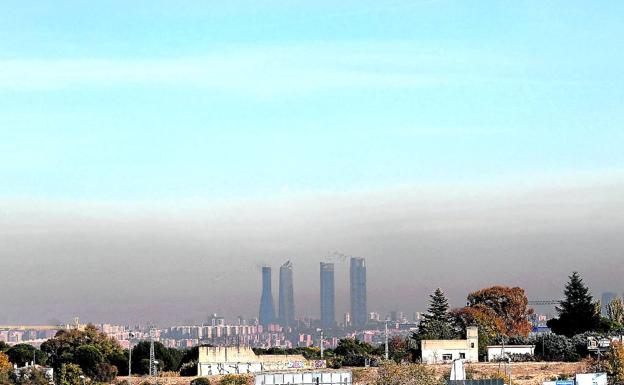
point(241, 360)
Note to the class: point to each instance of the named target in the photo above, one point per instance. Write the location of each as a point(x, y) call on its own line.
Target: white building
point(338, 377)
point(496, 352)
point(441, 351)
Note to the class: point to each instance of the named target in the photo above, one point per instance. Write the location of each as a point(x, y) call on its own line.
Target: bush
point(335, 363)
point(391, 373)
point(189, 369)
point(200, 381)
point(235, 379)
point(105, 373)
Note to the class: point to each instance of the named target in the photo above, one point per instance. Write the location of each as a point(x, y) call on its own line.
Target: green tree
point(4, 346)
point(21, 354)
point(88, 357)
point(577, 312)
point(70, 374)
point(86, 348)
point(353, 352)
point(437, 323)
point(169, 359)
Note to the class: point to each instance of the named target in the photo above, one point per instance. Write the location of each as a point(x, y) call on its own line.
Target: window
point(472, 345)
point(447, 357)
point(462, 356)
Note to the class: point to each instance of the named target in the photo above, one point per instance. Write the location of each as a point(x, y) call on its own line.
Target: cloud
point(265, 72)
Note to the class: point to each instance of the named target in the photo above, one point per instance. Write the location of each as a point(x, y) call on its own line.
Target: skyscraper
point(328, 316)
point(358, 291)
point(267, 308)
point(286, 296)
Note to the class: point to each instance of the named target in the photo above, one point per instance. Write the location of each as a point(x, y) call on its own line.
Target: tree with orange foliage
point(5, 368)
point(509, 304)
point(489, 324)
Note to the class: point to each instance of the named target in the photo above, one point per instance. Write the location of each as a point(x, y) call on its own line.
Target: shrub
point(235, 379)
point(201, 381)
point(105, 373)
point(391, 373)
point(189, 369)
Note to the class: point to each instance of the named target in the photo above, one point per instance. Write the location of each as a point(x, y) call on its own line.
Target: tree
point(485, 319)
point(391, 373)
point(397, 349)
point(105, 372)
point(437, 323)
point(70, 374)
point(21, 354)
point(169, 359)
point(577, 312)
point(509, 304)
point(4, 346)
point(85, 348)
point(615, 362)
point(5, 368)
point(88, 357)
point(615, 311)
point(353, 352)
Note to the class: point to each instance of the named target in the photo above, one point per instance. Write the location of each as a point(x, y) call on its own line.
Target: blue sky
point(150, 100)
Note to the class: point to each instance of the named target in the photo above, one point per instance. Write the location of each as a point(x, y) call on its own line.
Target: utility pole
point(130, 336)
point(152, 357)
point(387, 355)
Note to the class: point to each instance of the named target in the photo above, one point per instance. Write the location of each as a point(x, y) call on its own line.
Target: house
point(496, 352)
point(441, 351)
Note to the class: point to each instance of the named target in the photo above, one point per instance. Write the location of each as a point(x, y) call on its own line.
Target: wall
point(308, 378)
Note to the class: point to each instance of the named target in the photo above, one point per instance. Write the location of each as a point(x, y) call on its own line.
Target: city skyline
point(154, 158)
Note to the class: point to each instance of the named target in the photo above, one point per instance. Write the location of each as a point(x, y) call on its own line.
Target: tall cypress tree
point(437, 323)
point(577, 312)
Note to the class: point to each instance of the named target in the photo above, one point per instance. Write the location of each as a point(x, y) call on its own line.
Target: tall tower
point(328, 316)
point(358, 291)
point(267, 308)
point(286, 296)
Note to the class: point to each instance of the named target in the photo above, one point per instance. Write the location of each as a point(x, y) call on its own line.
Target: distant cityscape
point(273, 328)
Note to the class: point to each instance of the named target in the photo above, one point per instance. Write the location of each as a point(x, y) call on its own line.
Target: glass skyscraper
point(328, 316)
point(267, 308)
point(358, 291)
point(286, 296)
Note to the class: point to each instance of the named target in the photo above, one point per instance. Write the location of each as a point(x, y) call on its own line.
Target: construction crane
point(545, 302)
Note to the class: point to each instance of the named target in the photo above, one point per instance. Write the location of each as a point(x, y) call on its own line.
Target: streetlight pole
point(130, 336)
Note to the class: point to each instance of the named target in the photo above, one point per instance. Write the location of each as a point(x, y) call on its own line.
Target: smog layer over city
point(347, 184)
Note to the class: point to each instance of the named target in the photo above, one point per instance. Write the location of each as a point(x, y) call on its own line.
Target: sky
point(154, 154)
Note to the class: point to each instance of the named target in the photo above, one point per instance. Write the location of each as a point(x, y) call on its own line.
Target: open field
point(523, 373)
